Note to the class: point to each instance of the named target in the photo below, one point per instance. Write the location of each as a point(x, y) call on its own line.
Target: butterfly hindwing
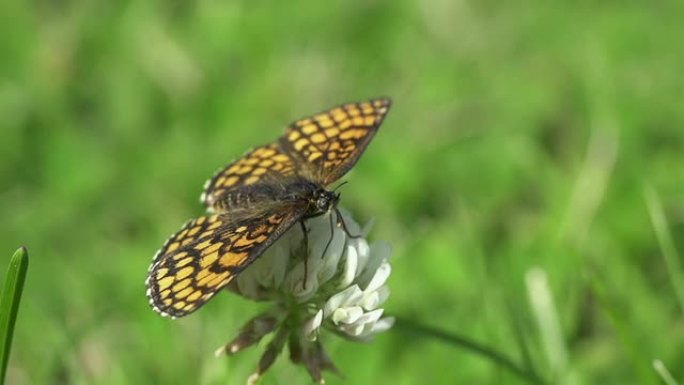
point(191, 231)
point(326, 145)
point(186, 276)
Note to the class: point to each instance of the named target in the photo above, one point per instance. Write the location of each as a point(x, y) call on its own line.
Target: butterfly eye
point(322, 202)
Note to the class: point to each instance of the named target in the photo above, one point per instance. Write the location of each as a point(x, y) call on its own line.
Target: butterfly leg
point(306, 253)
point(340, 223)
point(332, 235)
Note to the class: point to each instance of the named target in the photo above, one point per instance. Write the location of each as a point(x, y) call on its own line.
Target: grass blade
point(664, 374)
point(545, 312)
point(674, 267)
point(9, 304)
point(465, 343)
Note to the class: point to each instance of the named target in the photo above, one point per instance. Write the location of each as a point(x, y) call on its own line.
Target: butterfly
point(255, 199)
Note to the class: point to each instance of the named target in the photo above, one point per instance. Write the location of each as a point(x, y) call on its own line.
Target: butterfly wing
point(265, 164)
point(320, 148)
point(326, 145)
point(208, 252)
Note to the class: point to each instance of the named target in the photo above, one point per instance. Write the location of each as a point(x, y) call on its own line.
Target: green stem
point(9, 305)
point(411, 327)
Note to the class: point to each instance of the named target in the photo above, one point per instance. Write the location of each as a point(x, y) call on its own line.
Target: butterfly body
point(294, 191)
point(255, 199)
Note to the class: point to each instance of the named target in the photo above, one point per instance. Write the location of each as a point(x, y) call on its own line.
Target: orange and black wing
point(325, 146)
point(261, 165)
point(208, 252)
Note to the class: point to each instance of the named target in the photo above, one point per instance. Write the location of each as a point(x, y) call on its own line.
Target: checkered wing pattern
point(208, 252)
point(326, 145)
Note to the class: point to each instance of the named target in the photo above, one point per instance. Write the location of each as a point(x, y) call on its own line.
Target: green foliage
point(9, 305)
point(522, 135)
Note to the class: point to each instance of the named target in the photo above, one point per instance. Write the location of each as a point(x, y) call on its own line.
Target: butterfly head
point(324, 200)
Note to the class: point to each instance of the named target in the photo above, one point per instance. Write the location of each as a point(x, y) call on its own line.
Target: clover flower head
point(337, 283)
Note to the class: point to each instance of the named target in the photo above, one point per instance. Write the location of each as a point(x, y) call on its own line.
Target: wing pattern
point(207, 253)
point(328, 144)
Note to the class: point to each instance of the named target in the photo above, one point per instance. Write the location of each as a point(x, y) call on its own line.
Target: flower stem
point(411, 327)
point(9, 304)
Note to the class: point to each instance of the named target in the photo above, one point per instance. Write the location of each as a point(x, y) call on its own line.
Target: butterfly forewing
point(195, 264)
point(265, 164)
point(326, 145)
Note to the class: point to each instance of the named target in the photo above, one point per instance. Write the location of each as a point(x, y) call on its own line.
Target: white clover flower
point(337, 284)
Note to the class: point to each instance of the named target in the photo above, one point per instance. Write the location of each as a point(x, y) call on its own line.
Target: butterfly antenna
point(340, 185)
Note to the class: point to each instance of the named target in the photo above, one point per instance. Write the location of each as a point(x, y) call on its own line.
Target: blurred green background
point(523, 135)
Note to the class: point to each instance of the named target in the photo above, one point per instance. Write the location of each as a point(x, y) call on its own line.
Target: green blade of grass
point(9, 304)
point(404, 325)
point(624, 331)
point(548, 322)
point(674, 267)
point(664, 374)
point(520, 338)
